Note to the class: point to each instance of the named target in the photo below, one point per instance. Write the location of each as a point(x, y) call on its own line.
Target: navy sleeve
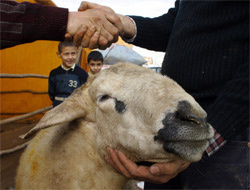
point(52, 88)
point(84, 77)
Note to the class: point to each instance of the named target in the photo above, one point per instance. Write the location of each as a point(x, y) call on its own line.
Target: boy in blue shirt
point(68, 76)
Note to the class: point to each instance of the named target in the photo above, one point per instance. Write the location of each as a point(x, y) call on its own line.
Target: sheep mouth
point(156, 160)
point(190, 150)
point(179, 146)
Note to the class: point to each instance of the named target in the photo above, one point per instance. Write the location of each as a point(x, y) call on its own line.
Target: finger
point(105, 46)
point(88, 5)
point(117, 163)
point(134, 170)
point(113, 25)
point(68, 37)
point(93, 43)
point(141, 173)
point(108, 45)
point(163, 175)
point(105, 28)
point(103, 43)
point(79, 35)
point(169, 168)
point(163, 169)
point(83, 6)
point(90, 32)
point(116, 21)
point(112, 163)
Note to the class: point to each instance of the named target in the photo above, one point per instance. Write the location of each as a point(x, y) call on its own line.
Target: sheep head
point(144, 114)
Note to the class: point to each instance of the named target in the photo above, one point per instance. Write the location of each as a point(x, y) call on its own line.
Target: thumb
point(88, 5)
point(154, 170)
point(68, 37)
point(168, 168)
point(83, 6)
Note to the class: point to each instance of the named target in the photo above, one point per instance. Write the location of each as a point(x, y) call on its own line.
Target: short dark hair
point(95, 55)
point(65, 44)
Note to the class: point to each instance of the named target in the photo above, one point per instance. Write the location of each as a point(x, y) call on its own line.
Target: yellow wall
point(44, 2)
point(33, 58)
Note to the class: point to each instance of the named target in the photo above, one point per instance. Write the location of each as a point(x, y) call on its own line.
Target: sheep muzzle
point(185, 130)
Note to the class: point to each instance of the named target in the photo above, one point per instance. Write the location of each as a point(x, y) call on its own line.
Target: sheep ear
point(72, 108)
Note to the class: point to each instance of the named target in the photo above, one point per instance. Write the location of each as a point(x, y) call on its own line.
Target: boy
point(95, 62)
point(68, 76)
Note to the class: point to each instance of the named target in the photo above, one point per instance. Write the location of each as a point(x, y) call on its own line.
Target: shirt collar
point(66, 69)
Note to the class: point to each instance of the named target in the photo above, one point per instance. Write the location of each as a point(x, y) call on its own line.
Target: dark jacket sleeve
point(154, 33)
point(52, 88)
point(27, 22)
point(84, 77)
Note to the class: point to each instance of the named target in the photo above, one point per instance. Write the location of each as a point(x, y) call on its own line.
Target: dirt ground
point(9, 139)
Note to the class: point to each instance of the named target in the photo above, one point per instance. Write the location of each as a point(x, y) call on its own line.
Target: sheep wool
point(147, 116)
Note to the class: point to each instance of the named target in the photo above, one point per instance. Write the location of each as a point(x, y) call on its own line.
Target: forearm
point(27, 22)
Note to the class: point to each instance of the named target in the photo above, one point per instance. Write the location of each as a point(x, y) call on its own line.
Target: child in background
point(95, 62)
point(68, 76)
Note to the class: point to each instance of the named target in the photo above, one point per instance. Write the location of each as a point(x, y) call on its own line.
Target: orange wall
point(44, 2)
point(33, 58)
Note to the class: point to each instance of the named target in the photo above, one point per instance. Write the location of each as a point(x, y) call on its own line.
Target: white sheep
point(147, 116)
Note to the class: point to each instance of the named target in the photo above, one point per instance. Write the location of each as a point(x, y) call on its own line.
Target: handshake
point(97, 26)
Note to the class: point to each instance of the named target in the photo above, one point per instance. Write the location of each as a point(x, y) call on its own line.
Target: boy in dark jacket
point(68, 76)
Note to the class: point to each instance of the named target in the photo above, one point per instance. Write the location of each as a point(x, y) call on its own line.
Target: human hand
point(125, 26)
point(157, 173)
point(98, 27)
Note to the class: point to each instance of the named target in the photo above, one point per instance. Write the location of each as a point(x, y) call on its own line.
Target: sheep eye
point(103, 98)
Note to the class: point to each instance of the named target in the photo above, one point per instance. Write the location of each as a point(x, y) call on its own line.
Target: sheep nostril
point(195, 119)
point(191, 118)
point(186, 113)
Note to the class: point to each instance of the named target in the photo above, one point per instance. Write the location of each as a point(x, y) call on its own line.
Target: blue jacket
point(63, 82)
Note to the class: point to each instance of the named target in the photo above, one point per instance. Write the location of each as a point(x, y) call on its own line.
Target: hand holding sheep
point(157, 173)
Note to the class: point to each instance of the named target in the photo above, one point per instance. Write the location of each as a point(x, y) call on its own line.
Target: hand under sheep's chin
point(146, 171)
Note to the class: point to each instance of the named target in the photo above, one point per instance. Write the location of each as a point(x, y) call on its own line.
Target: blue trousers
point(228, 168)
